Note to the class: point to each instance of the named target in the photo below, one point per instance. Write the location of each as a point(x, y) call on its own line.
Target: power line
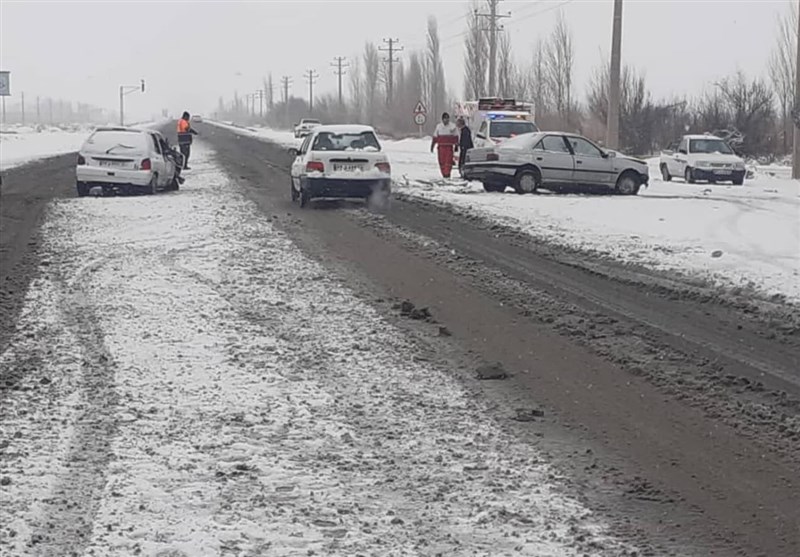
point(391, 49)
point(311, 76)
point(493, 18)
point(340, 63)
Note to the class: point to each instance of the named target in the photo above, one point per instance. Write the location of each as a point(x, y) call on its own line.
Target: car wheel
point(628, 184)
point(527, 181)
point(305, 197)
point(295, 195)
point(151, 188)
point(665, 175)
point(83, 189)
point(493, 188)
point(688, 175)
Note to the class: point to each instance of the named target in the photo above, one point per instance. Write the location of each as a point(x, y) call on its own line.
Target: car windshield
point(114, 141)
point(510, 128)
point(709, 146)
point(329, 141)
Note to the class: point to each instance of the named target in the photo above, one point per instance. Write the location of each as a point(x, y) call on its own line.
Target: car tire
point(688, 175)
point(83, 189)
point(295, 195)
point(628, 184)
point(494, 188)
point(665, 175)
point(527, 181)
point(305, 197)
point(151, 188)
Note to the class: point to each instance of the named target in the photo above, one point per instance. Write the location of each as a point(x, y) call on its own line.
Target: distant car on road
point(128, 160)
point(702, 157)
point(340, 162)
point(554, 161)
point(197, 118)
point(305, 127)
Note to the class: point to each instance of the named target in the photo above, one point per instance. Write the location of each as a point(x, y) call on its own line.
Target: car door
point(680, 158)
point(158, 161)
point(299, 164)
point(555, 160)
point(171, 168)
point(592, 168)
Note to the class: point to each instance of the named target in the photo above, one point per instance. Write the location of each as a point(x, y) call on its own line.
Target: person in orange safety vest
point(185, 132)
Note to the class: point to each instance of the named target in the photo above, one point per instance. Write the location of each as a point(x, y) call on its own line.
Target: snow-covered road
point(733, 236)
point(191, 384)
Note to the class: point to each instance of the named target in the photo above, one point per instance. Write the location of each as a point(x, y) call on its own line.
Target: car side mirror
point(609, 154)
point(682, 151)
point(480, 136)
point(293, 151)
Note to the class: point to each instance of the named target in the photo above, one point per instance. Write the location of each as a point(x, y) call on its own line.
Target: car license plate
point(722, 172)
point(347, 167)
point(111, 163)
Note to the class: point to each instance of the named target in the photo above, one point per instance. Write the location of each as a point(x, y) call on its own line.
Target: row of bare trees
point(756, 112)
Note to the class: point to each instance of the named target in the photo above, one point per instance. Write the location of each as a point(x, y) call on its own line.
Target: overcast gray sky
point(190, 53)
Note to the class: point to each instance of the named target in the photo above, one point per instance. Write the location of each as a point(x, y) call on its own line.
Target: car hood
point(716, 157)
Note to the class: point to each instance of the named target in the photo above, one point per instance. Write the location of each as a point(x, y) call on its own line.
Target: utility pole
point(796, 111)
point(391, 49)
point(339, 62)
point(493, 29)
point(612, 125)
point(311, 76)
point(260, 93)
point(286, 81)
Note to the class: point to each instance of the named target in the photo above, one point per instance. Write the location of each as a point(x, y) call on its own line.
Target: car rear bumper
point(344, 188)
point(93, 174)
point(488, 172)
point(717, 174)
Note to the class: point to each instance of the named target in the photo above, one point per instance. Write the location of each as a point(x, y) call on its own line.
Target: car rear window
point(329, 141)
point(511, 128)
point(116, 142)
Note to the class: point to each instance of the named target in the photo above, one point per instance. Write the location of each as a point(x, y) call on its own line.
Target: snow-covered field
point(193, 385)
point(734, 236)
point(23, 144)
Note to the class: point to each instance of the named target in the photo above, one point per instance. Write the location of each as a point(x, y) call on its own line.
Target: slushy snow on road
point(190, 384)
point(734, 236)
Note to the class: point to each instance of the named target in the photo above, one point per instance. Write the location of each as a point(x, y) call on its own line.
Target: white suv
point(702, 157)
point(340, 162)
point(128, 160)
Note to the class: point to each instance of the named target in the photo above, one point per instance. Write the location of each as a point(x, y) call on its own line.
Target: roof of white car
point(119, 129)
point(702, 136)
point(342, 128)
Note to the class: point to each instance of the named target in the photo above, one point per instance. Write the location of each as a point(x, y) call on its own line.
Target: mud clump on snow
point(491, 372)
point(408, 309)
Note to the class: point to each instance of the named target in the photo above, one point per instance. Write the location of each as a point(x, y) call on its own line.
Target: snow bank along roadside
point(733, 236)
point(193, 385)
point(22, 144)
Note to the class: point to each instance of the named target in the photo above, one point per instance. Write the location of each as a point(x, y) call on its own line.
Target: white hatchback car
point(127, 160)
point(340, 162)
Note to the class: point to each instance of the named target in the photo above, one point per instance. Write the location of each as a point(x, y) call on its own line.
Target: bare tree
point(750, 106)
point(437, 90)
point(782, 71)
point(372, 66)
point(538, 81)
point(356, 90)
point(505, 67)
point(559, 62)
point(475, 56)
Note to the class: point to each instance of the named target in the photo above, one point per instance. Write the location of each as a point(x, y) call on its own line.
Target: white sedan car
point(127, 160)
point(340, 162)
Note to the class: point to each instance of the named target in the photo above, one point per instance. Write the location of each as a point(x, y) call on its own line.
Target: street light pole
point(127, 90)
point(796, 111)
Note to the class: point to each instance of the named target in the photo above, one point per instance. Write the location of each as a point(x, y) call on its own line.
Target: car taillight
point(384, 167)
point(146, 164)
point(315, 166)
point(81, 160)
point(492, 157)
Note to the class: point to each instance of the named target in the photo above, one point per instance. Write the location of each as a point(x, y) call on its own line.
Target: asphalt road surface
point(672, 409)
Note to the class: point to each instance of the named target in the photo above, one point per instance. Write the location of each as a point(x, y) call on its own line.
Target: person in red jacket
point(445, 138)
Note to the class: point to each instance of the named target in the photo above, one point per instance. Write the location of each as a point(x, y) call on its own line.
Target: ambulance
point(494, 120)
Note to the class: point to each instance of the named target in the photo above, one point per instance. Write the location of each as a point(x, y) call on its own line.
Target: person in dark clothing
point(464, 143)
point(185, 132)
